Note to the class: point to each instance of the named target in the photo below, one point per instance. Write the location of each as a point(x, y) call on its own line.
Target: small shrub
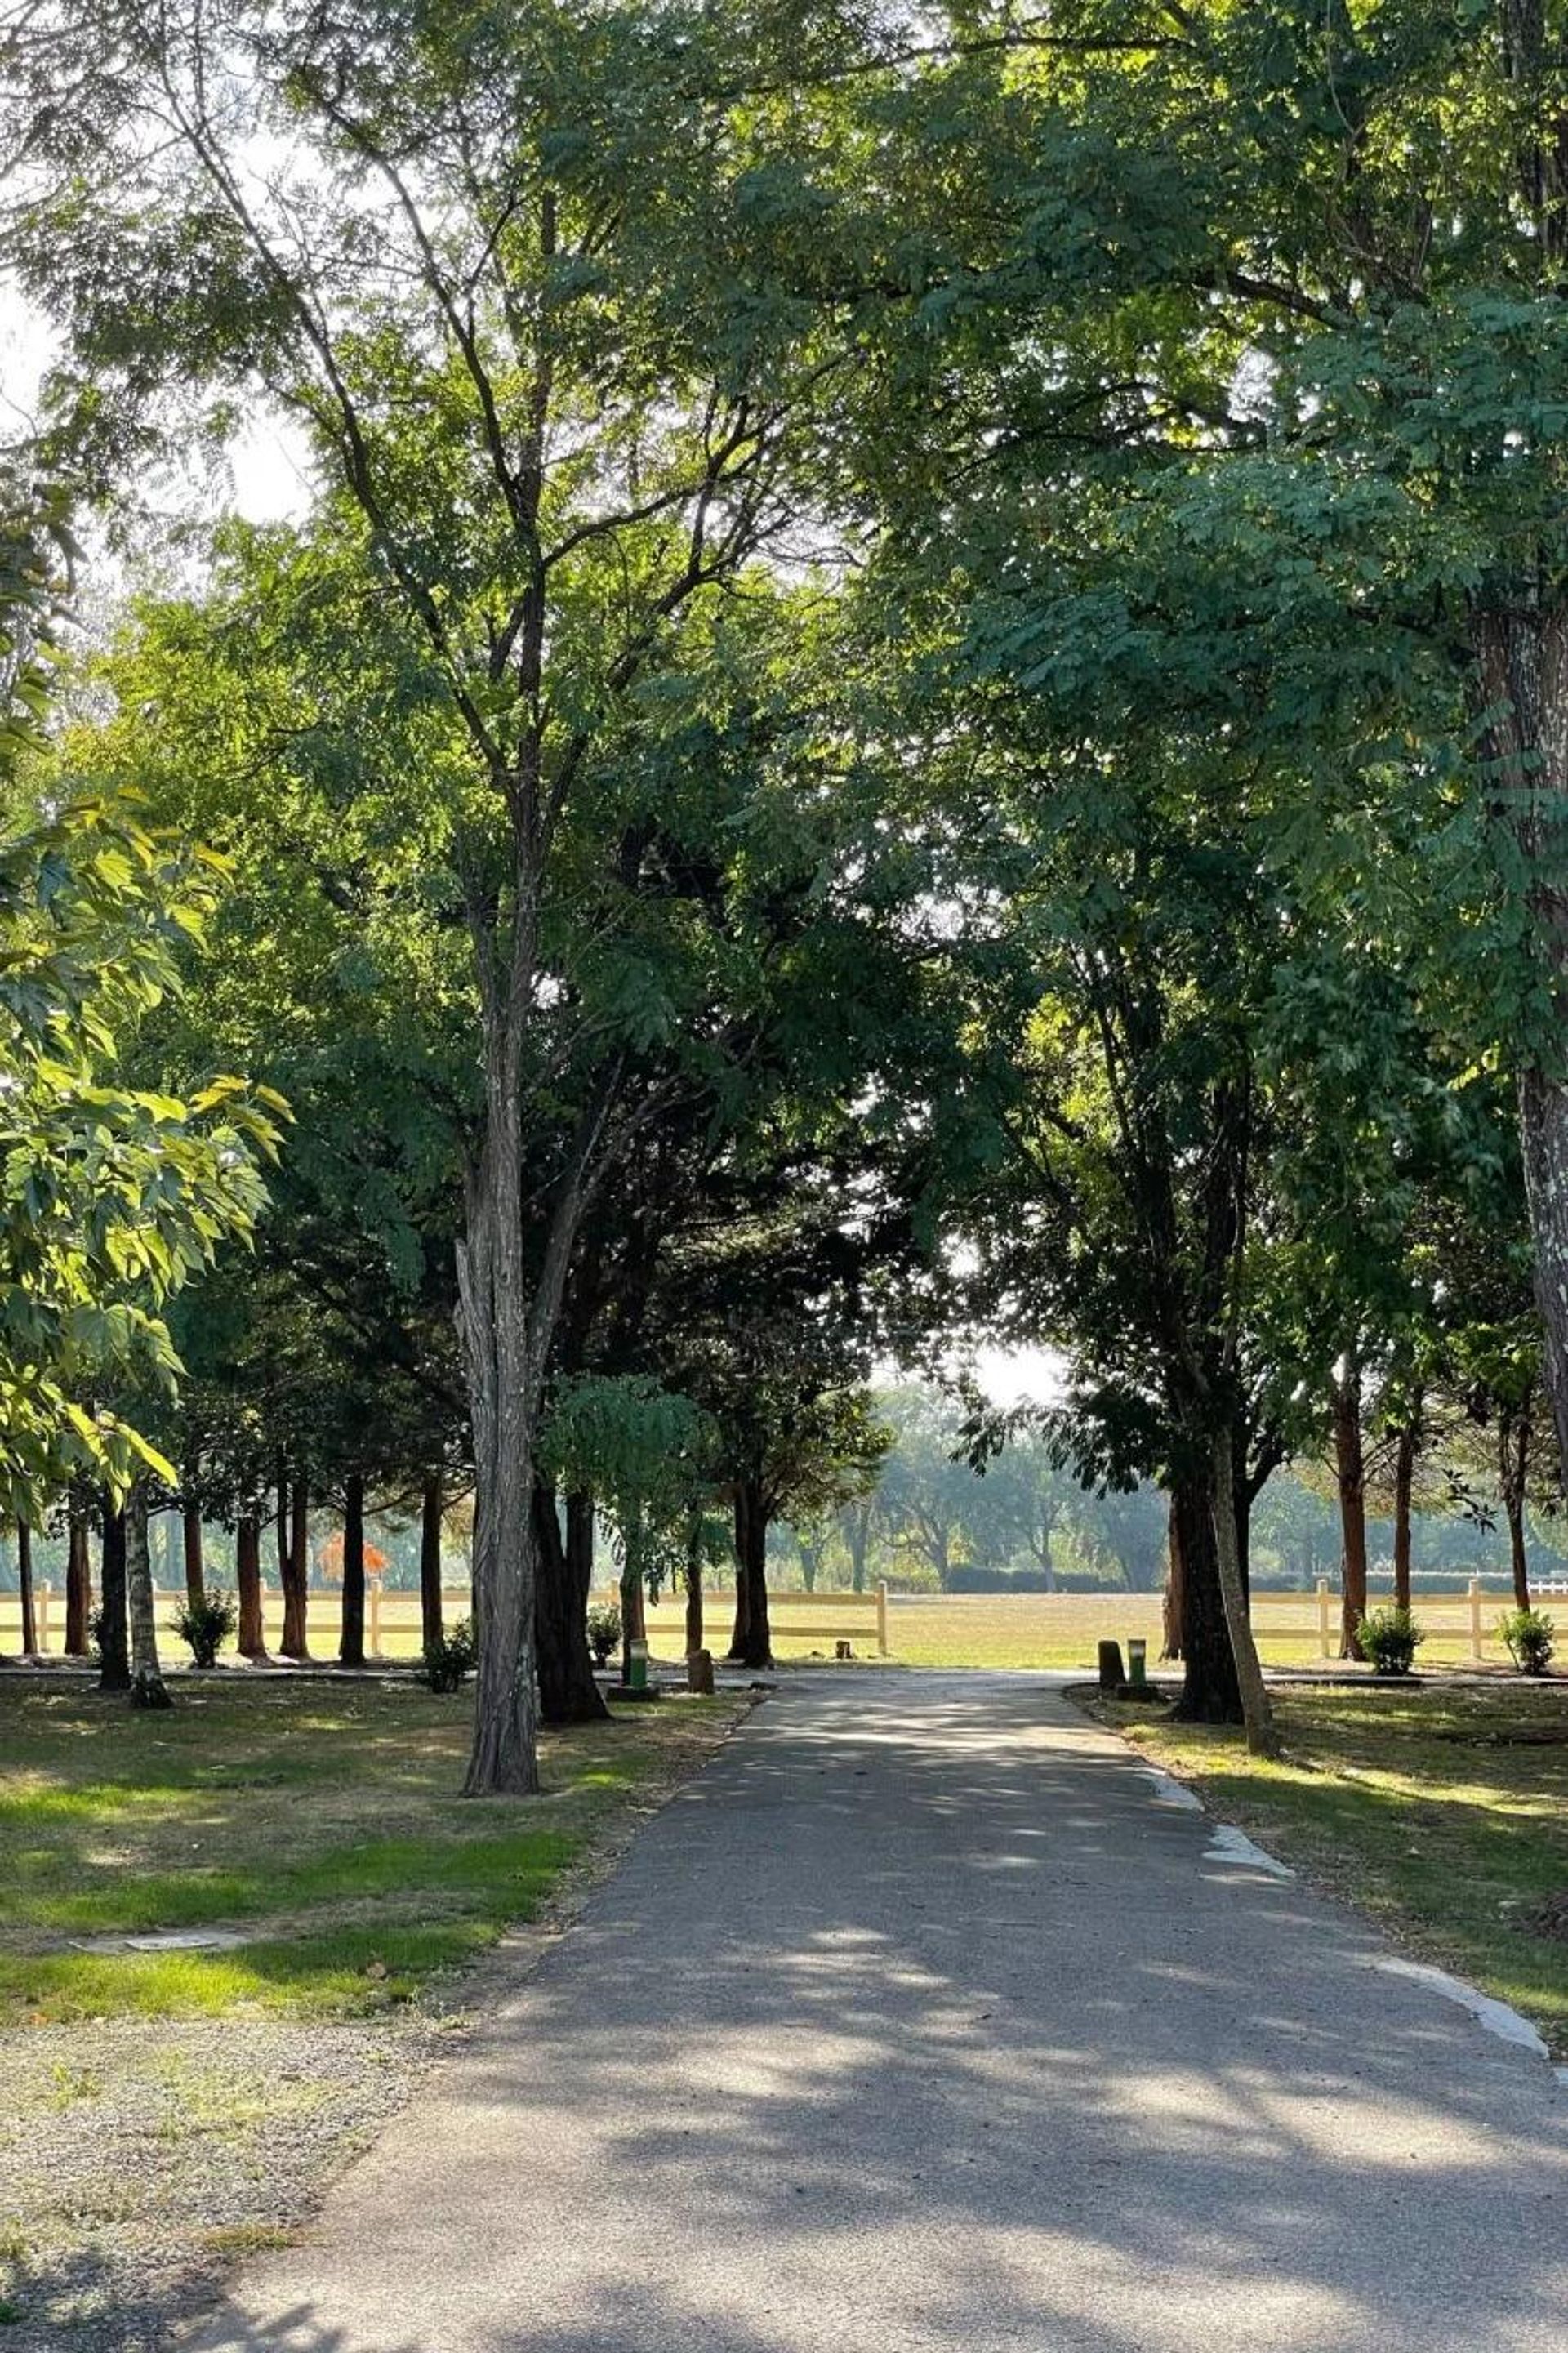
point(1390, 1638)
point(1532, 1638)
point(205, 1627)
point(449, 1660)
point(604, 1630)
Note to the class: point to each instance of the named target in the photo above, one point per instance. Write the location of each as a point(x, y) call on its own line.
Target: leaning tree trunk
point(432, 1625)
point(1404, 1485)
point(148, 1688)
point(504, 1406)
point(1262, 1739)
point(567, 1691)
point(251, 1638)
point(1350, 1467)
point(78, 1587)
point(1211, 1692)
point(295, 1565)
point(751, 1645)
point(114, 1650)
point(196, 1576)
point(25, 1586)
point(350, 1643)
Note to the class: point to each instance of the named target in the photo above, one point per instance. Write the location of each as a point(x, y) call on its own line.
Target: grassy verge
point(165, 2114)
point(318, 1821)
point(1443, 1813)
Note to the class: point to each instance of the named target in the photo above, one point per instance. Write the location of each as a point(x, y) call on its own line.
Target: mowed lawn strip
point(318, 1822)
point(1442, 1812)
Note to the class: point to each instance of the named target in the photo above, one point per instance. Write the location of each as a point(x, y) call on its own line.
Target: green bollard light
point(1137, 1655)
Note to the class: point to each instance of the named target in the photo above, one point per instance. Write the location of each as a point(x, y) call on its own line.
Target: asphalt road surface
point(923, 2019)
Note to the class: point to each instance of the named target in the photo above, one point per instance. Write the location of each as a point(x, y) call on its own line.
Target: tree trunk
point(79, 1587)
point(693, 1604)
point(295, 1567)
point(114, 1652)
point(432, 1625)
point(1350, 1468)
point(25, 1586)
point(1513, 1478)
point(148, 1688)
point(857, 1536)
point(1262, 1739)
point(634, 1617)
point(1403, 1481)
point(751, 1645)
point(1174, 1605)
point(196, 1578)
point(567, 1691)
point(351, 1645)
point(1210, 1691)
point(503, 1388)
point(251, 1640)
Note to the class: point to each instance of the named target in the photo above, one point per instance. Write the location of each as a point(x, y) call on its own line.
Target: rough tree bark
point(251, 1638)
point(148, 1688)
point(114, 1650)
point(1349, 1466)
point(1211, 1691)
point(751, 1643)
point(79, 1587)
point(1513, 1478)
point(1262, 1739)
point(693, 1604)
point(350, 1643)
point(432, 1624)
point(25, 1586)
point(196, 1577)
point(567, 1691)
point(294, 1568)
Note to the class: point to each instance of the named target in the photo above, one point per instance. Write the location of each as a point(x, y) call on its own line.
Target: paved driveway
point(919, 2020)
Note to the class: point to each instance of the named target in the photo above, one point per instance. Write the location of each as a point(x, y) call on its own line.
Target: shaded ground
point(1442, 1811)
point(165, 2113)
point(924, 2019)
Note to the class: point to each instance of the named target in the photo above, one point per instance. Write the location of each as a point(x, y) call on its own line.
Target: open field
point(1444, 1813)
point(937, 1630)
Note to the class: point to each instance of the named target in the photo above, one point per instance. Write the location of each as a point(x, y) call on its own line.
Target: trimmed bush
point(449, 1662)
point(1532, 1638)
point(205, 1627)
point(1390, 1638)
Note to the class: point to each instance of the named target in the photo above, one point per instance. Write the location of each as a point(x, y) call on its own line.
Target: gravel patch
point(138, 2159)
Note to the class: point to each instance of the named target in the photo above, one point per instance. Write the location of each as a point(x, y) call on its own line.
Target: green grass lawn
point(1444, 1813)
point(319, 1821)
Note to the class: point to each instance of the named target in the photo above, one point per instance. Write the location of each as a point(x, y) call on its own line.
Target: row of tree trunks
point(567, 1691)
point(751, 1643)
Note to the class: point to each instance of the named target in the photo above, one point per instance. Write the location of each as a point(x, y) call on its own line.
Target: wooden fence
point(858, 1619)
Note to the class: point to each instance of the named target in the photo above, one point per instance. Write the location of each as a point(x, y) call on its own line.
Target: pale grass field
point(1025, 1629)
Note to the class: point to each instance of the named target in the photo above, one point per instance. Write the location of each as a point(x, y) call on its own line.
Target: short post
point(1137, 1661)
point(1325, 1618)
point(375, 1617)
point(1474, 1616)
point(882, 1616)
point(41, 1613)
point(637, 1665)
point(700, 1673)
point(1113, 1674)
